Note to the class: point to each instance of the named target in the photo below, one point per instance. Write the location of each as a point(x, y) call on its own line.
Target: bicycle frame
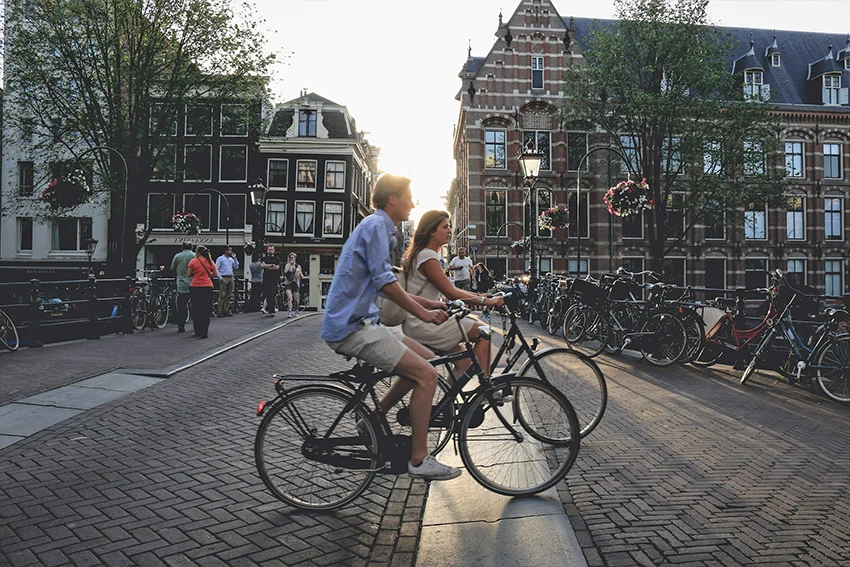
point(742, 337)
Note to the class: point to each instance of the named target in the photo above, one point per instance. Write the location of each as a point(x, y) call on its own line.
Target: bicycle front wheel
point(508, 457)
point(575, 376)
point(138, 311)
point(8, 332)
point(833, 369)
point(587, 331)
point(310, 421)
point(161, 310)
point(665, 340)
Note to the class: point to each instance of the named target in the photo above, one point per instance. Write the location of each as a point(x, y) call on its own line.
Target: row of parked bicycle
point(790, 332)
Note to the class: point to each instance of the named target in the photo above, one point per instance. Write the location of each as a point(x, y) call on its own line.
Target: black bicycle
point(319, 445)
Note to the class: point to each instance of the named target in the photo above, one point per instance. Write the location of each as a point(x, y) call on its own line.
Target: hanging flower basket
point(628, 198)
point(67, 191)
point(521, 245)
point(189, 223)
point(554, 218)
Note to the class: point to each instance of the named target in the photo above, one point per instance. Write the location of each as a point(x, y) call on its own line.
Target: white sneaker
point(290, 314)
point(431, 469)
point(263, 310)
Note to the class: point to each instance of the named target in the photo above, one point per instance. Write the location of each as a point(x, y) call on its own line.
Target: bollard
point(93, 330)
point(128, 320)
point(35, 323)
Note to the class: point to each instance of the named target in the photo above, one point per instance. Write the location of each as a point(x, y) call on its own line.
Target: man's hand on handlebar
point(435, 316)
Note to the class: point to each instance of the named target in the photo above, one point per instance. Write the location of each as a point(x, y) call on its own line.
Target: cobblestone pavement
point(690, 468)
point(29, 371)
point(166, 476)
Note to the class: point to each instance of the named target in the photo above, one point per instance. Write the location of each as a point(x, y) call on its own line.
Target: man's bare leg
point(400, 387)
point(424, 379)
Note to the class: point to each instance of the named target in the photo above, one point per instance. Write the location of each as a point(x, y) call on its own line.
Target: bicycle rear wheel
point(587, 331)
point(833, 369)
point(575, 376)
point(712, 348)
point(8, 332)
point(498, 453)
point(290, 431)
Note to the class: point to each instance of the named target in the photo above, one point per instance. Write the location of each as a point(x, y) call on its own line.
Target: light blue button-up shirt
point(226, 264)
point(363, 269)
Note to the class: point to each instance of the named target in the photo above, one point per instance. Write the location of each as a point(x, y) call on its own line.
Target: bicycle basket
point(588, 293)
point(620, 290)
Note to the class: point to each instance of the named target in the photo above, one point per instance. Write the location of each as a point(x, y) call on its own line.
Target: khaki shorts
point(378, 345)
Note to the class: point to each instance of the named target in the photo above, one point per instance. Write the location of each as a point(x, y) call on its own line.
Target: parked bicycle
point(149, 303)
point(319, 445)
point(8, 332)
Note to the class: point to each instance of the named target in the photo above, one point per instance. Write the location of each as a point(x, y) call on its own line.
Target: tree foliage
point(85, 73)
point(660, 75)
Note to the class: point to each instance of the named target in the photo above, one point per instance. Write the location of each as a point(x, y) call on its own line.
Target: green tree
point(86, 73)
point(657, 81)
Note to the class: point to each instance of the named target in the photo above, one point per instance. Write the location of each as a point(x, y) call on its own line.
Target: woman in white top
point(424, 272)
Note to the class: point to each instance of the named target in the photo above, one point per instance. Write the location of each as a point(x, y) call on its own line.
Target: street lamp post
point(530, 161)
point(258, 199)
point(91, 246)
point(578, 197)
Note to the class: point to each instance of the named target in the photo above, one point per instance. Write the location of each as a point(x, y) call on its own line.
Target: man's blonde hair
point(388, 185)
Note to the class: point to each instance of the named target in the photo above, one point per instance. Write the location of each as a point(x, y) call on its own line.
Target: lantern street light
point(258, 199)
point(530, 160)
point(91, 246)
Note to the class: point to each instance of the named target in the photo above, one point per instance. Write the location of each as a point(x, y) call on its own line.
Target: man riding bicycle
point(351, 326)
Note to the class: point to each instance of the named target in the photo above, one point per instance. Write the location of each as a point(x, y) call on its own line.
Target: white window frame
point(494, 144)
point(586, 145)
point(724, 271)
point(684, 263)
point(829, 199)
point(269, 174)
point(308, 112)
point(241, 134)
point(537, 70)
point(295, 220)
point(222, 208)
point(752, 225)
point(206, 217)
point(830, 288)
point(81, 249)
point(244, 179)
point(327, 172)
point(722, 226)
point(341, 219)
point(19, 235)
point(298, 174)
point(186, 122)
point(573, 263)
point(831, 89)
point(795, 220)
point(631, 150)
point(837, 157)
point(154, 156)
point(753, 81)
point(148, 209)
point(775, 60)
point(585, 214)
point(493, 230)
point(548, 155)
point(710, 166)
point(753, 167)
point(26, 191)
point(642, 222)
point(792, 156)
point(208, 179)
point(266, 224)
point(158, 115)
point(538, 195)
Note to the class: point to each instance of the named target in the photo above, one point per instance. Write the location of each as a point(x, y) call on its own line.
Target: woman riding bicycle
point(425, 278)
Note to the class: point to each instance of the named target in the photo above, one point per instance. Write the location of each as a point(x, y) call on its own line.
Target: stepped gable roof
point(747, 61)
point(788, 82)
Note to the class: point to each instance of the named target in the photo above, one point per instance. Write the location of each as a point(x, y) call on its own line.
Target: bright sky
point(394, 63)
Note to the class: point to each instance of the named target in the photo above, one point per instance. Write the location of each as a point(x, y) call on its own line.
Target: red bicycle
point(726, 337)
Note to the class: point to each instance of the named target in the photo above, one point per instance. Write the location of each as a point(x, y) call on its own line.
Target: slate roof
point(333, 117)
point(789, 82)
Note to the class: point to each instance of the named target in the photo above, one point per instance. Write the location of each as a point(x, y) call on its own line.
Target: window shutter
point(842, 96)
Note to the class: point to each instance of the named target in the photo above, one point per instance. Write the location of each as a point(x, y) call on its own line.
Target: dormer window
point(774, 60)
point(307, 123)
point(831, 89)
point(753, 81)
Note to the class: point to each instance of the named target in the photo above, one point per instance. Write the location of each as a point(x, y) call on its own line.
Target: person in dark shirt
point(271, 277)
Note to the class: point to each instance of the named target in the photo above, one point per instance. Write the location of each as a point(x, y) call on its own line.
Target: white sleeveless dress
point(444, 336)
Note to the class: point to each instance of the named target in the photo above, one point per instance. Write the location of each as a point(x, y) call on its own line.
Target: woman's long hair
point(428, 224)
point(204, 252)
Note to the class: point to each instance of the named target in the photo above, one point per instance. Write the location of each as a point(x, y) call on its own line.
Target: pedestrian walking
point(483, 278)
point(256, 298)
point(461, 267)
point(180, 265)
point(271, 278)
point(292, 275)
point(226, 264)
point(202, 271)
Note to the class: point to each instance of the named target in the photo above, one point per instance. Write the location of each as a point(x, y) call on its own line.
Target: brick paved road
point(690, 468)
point(166, 476)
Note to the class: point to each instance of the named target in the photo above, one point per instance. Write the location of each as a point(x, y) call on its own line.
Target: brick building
point(511, 97)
